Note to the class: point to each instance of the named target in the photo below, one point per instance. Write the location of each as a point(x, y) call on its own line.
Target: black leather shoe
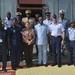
point(19, 67)
point(14, 69)
point(69, 64)
point(45, 65)
point(29, 66)
point(38, 65)
point(4, 70)
point(54, 64)
point(59, 66)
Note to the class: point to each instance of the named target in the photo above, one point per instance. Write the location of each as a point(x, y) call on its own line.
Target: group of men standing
point(52, 31)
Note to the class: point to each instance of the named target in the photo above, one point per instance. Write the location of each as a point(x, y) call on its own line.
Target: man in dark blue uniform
point(19, 19)
point(21, 26)
point(3, 50)
point(14, 34)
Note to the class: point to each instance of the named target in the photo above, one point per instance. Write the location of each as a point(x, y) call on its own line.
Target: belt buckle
point(56, 36)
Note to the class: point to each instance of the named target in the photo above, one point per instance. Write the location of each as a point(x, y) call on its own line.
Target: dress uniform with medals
point(30, 19)
point(14, 34)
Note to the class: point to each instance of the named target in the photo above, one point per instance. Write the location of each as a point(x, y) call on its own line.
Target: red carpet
point(9, 72)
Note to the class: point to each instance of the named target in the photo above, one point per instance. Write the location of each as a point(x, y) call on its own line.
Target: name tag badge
point(74, 30)
point(1, 40)
point(14, 31)
point(5, 28)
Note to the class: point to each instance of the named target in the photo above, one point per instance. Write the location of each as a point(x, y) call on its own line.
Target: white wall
point(53, 6)
point(49, 3)
point(8, 5)
point(73, 10)
point(0, 7)
point(67, 5)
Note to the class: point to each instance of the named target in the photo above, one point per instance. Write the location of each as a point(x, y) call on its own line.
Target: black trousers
point(3, 51)
point(28, 49)
point(15, 54)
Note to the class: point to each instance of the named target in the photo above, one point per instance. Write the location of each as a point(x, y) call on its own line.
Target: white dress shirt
point(56, 29)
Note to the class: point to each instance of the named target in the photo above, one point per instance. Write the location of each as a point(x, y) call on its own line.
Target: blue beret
point(54, 16)
point(37, 15)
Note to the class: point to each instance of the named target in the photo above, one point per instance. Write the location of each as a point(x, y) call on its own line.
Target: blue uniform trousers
point(71, 51)
point(56, 45)
point(4, 55)
point(15, 54)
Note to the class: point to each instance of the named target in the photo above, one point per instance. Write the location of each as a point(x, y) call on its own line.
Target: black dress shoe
point(54, 64)
point(29, 66)
point(45, 65)
point(4, 70)
point(69, 64)
point(19, 67)
point(59, 65)
point(14, 69)
point(38, 65)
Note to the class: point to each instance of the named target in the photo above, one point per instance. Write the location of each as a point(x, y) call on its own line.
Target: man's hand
point(62, 42)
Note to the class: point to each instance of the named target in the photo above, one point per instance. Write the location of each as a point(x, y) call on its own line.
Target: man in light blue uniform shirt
point(8, 20)
point(36, 21)
point(7, 23)
point(41, 31)
point(71, 47)
point(57, 35)
point(65, 23)
point(48, 22)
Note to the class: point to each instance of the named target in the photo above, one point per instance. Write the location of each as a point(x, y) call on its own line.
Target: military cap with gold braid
point(28, 11)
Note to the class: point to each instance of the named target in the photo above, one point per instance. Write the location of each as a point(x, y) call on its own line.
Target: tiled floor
point(64, 70)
